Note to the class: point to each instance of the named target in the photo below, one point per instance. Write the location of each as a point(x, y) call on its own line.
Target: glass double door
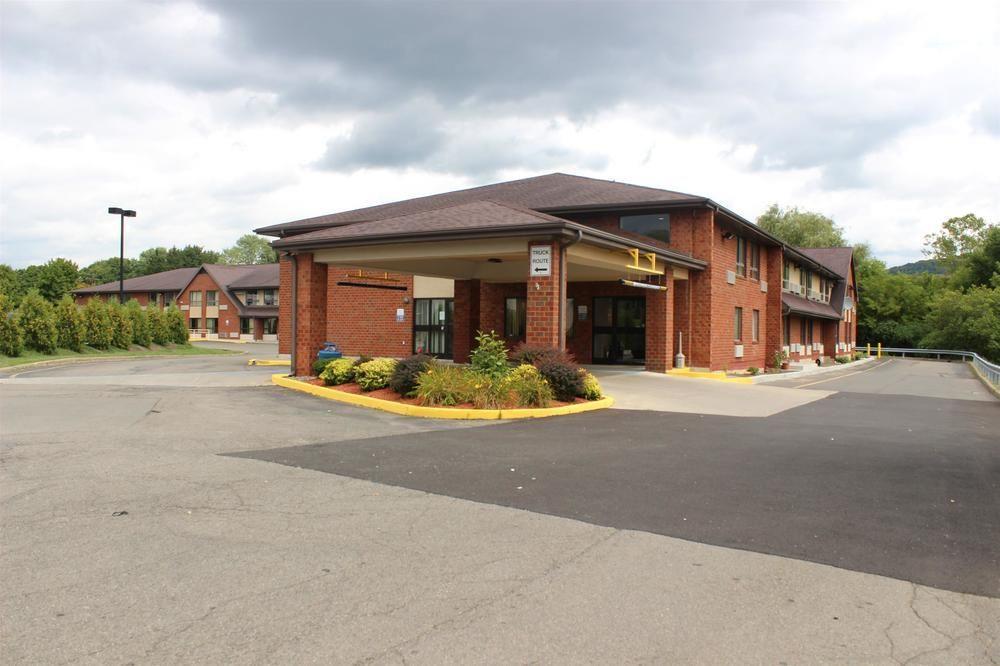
point(432, 326)
point(619, 329)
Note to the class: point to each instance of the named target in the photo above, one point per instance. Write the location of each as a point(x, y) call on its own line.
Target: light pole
point(121, 257)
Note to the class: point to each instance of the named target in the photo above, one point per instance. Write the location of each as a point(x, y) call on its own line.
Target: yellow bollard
point(880, 350)
point(869, 345)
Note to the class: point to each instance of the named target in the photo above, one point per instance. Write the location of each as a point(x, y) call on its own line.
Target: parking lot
point(856, 521)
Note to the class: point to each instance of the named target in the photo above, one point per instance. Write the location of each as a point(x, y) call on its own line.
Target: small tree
point(177, 326)
point(158, 330)
point(69, 324)
point(11, 340)
point(38, 323)
point(140, 323)
point(490, 355)
point(121, 326)
point(97, 324)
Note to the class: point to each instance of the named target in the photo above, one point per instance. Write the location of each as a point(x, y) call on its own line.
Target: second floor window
point(741, 256)
point(195, 297)
point(211, 298)
point(655, 225)
point(251, 298)
point(754, 261)
point(270, 297)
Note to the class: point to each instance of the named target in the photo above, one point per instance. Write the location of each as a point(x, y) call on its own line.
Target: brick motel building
point(612, 272)
point(219, 301)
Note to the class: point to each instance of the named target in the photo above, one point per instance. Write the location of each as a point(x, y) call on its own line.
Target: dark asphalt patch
point(898, 486)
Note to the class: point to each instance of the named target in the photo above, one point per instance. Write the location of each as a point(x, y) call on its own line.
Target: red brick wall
point(141, 296)
point(285, 306)
point(311, 312)
point(702, 284)
point(362, 320)
point(659, 331)
point(772, 321)
point(229, 318)
point(466, 319)
point(544, 302)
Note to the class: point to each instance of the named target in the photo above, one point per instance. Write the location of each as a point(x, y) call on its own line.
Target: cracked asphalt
point(238, 560)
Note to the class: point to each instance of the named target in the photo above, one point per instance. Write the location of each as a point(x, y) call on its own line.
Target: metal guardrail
point(989, 371)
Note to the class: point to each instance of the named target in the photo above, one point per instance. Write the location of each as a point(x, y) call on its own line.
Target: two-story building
point(219, 301)
point(614, 273)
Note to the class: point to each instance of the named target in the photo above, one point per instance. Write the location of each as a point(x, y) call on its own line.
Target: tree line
point(955, 305)
point(58, 277)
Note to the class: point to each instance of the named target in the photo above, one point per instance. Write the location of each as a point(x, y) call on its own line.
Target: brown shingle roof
point(550, 192)
point(261, 276)
point(837, 259)
point(174, 280)
point(804, 306)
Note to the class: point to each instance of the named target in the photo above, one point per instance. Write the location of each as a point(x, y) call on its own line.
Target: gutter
point(295, 308)
point(563, 245)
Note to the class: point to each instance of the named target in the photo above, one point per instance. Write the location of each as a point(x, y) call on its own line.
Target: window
point(754, 261)
point(271, 326)
point(738, 325)
point(810, 331)
point(194, 324)
point(802, 331)
point(270, 297)
point(788, 331)
point(246, 325)
point(153, 298)
point(211, 298)
point(755, 326)
point(212, 325)
point(251, 298)
point(656, 225)
point(167, 300)
point(741, 256)
point(195, 298)
point(515, 316)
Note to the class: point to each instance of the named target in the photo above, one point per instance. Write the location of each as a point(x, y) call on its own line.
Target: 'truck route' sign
point(541, 260)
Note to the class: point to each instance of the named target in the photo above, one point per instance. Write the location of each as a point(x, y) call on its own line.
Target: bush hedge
point(338, 371)
point(566, 379)
point(444, 385)
point(37, 320)
point(591, 387)
point(121, 326)
point(97, 324)
point(141, 334)
point(159, 331)
point(489, 358)
point(373, 375)
point(528, 387)
point(177, 330)
point(525, 354)
point(404, 376)
point(11, 339)
point(69, 325)
point(842, 358)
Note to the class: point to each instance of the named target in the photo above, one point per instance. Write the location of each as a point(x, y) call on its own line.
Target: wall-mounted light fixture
point(728, 235)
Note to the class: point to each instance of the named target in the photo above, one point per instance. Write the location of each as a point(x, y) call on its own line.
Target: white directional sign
point(541, 260)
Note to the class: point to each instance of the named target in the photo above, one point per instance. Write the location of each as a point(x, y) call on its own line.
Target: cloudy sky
point(212, 118)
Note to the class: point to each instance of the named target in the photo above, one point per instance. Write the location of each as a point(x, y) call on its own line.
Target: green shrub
point(374, 375)
point(753, 370)
point(337, 371)
point(177, 330)
point(490, 355)
point(363, 358)
point(858, 355)
point(319, 365)
point(121, 326)
point(97, 324)
point(140, 323)
point(843, 358)
point(566, 379)
point(69, 325)
point(528, 387)
point(526, 354)
point(489, 392)
point(159, 331)
point(404, 377)
point(444, 386)
point(591, 387)
point(38, 323)
point(11, 339)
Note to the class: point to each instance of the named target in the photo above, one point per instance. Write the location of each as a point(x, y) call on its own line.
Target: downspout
point(295, 308)
point(563, 246)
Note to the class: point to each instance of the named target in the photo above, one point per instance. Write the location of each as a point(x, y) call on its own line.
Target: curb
point(992, 389)
point(715, 375)
point(265, 361)
point(437, 412)
point(12, 370)
point(763, 379)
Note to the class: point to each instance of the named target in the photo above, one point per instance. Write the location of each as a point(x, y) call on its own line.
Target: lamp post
point(121, 257)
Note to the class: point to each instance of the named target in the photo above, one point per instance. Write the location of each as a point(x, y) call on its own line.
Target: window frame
point(738, 324)
point(755, 325)
point(191, 298)
point(754, 261)
point(212, 302)
point(251, 326)
point(270, 297)
point(741, 256)
point(665, 216)
point(521, 311)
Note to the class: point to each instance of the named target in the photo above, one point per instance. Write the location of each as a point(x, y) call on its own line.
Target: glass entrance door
point(619, 329)
point(432, 326)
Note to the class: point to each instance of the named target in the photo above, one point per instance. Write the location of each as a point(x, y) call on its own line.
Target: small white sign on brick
point(541, 260)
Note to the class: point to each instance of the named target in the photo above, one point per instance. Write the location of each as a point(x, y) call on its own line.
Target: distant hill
point(922, 266)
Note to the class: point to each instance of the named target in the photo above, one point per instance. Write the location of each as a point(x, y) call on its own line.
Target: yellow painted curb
point(437, 412)
point(717, 375)
point(264, 361)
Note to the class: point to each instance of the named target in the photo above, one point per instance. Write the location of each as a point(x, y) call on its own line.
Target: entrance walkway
point(634, 388)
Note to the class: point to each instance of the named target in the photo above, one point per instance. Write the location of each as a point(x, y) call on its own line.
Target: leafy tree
point(57, 278)
point(958, 236)
point(8, 281)
point(250, 249)
point(97, 324)
point(11, 340)
point(176, 326)
point(106, 270)
point(38, 323)
point(69, 324)
point(801, 228)
point(158, 328)
point(982, 263)
point(159, 259)
point(140, 323)
point(121, 326)
point(969, 321)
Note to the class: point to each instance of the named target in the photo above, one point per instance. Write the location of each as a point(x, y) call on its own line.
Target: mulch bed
point(389, 394)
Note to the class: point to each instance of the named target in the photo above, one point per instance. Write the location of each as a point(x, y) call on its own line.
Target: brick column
point(466, 319)
point(310, 313)
point(773, 332)
point(544, 303)
point(285, 306)
point(660, 329)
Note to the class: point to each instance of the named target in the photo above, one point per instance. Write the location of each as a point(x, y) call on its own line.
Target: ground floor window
point(788, 331)
point(271, 326)
point(195, 323)
point(212, 324)
point(432, 326)
point(809, 330)
point(755, 326)
point(246, 326)
point(738, 324)
point(802, 331)
point(515, 317)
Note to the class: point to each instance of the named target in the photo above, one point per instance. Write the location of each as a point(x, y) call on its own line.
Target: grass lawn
point(90, 352)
